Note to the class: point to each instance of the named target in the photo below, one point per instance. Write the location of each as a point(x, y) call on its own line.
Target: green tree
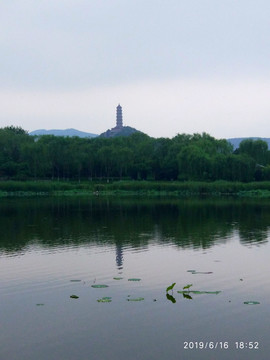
point(256, 149)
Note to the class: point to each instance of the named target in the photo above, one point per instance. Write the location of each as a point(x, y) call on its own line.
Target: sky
point(175, 66)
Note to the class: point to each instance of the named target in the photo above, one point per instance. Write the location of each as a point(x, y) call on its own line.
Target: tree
point(257, 149)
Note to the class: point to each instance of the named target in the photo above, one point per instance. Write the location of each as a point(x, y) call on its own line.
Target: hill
point(124, 131)
point(67, 133)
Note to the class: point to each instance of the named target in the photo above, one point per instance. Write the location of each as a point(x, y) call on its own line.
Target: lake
point(56, 252)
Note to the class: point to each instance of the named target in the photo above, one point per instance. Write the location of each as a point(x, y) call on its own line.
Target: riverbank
point(133, 188)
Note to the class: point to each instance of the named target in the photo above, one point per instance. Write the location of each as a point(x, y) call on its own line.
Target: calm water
point(46, 243)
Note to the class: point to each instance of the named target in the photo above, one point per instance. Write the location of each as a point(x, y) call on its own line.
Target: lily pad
point(136, 299)
point(105, 299)
point(198, 292)
point(74, 297)
point(117, 278)
point(251, 302)
point(99, 286)
point(134, 279)
point(75, 280)
point(39, 304)
point(199, 272)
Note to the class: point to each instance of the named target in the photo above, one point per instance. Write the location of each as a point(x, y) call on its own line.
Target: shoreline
point(124, 188)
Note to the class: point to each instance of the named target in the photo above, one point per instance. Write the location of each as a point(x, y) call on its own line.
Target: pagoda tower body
point(119, 117)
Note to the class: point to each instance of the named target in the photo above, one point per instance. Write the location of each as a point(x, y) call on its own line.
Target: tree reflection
point(133, 223)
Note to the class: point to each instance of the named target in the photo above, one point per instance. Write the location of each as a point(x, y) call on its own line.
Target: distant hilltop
point(67, 133)
point(119, 129)
point(124, 131)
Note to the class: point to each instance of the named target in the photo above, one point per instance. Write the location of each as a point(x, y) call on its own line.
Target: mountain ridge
point(66, 132)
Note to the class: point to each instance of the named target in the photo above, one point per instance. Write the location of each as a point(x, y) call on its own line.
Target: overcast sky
point(175, 66)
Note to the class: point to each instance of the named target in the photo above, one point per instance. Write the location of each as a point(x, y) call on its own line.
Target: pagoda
point(119, 129)
point(119, 117)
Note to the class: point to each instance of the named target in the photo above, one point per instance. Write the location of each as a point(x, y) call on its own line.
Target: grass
point(42, 188)
point(134, 188)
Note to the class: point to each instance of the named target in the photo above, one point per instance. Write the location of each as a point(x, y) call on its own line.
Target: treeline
point(197, 157)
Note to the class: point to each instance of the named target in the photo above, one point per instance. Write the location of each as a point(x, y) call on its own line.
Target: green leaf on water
point(251, 302)
point(39, 304)
point(117, 278)
point(198, 292)
point(202, 272)
point(170, 287)
point(105, 299)
point(99, 286)
point(187, 286)
point(75, 280)
point(74, 297)
point(134, 279)
point(135, 299)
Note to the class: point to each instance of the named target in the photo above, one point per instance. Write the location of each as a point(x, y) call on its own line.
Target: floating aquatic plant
point(75, 280)
point(105, 299)
point(117, 278)
point(201, 272)
point(170, 287)
point(134, 279)
point(186, 292)
point(198, 292)
point(251, 302)
point(135, 299)
point(74, 297)
point(99, 286)
point(39, 304)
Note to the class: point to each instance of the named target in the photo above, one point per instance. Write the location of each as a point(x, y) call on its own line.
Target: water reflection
point(119, 256)
point(171, 298)
point(134, 223)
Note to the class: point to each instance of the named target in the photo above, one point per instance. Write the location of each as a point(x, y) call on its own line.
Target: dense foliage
point(198, 157)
